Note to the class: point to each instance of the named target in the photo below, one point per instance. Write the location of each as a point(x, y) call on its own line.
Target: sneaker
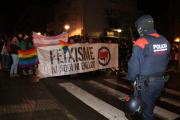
point(7, 69)
point(16, 75)
point(30, 73)
point(34, 74)
point(24, 73)
point(11, 75)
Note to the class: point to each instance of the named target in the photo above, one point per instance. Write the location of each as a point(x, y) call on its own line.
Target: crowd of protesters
point(9, 47)
point(124, 51)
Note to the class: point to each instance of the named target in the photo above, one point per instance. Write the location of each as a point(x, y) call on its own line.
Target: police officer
point(149, 61)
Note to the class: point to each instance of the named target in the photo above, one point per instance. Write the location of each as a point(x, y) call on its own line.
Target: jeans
point(3, 59)
point(15, 63)
point(175, 64)
point(33, 69)
point(26, 69)
point(150, 97)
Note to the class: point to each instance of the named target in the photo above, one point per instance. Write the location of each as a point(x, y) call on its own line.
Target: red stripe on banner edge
point(26, 52)
point(29, 65)
point(21, 51)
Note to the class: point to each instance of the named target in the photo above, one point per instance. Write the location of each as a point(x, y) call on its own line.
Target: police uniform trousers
point(150, 97)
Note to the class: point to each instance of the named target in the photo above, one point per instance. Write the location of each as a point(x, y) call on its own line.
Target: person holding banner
point(26, 45)
point(71, 41)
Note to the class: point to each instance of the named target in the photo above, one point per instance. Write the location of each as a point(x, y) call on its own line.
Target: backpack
point(4, 50)
point(9, 46)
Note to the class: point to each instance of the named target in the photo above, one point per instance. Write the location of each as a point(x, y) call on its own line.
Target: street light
point(176, 40)
point(119, 31)
point(39, 33)
point(66, 27)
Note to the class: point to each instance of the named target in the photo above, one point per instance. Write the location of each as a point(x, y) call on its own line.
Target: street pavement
point(87, 96)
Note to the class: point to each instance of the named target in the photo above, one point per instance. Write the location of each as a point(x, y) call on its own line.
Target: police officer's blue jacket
point(150, 56)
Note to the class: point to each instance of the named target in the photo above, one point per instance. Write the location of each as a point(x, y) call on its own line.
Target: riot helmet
point(134, 104)
point(144, 24)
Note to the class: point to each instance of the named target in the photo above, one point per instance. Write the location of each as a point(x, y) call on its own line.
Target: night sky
point(11, 10)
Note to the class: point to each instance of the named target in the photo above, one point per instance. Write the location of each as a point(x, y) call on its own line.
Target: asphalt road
point(92, 96)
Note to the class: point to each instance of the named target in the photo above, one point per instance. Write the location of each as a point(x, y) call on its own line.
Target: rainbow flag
point(28, 58)
point(65, 45)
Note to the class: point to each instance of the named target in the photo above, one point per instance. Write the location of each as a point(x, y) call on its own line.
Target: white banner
point(79, 58)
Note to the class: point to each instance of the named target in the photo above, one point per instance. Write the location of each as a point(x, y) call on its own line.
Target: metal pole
point(179, 55)
point(119, 36)
point(131, 35)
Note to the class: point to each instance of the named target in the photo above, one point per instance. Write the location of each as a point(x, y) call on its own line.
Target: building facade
point(173, 21)
point(89, 17)
point(50, 28)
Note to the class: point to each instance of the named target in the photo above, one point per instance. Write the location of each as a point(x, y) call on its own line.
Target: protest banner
point(78, 58)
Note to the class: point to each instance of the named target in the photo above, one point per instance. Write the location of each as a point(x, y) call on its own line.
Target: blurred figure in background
point(176, 57)
point(90, 41)
point(170, 61)
point(71, 40)
point(82, 40)
point(5, 54)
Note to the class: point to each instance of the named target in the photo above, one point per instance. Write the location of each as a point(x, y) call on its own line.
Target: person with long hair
point(26, 45)
point(15, 46)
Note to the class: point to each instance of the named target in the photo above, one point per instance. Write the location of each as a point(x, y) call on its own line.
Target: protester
point(76, 39)
point(90, 41)
point(9, 49)
point(82, 40)
point(15, 46)
point(176, 57)
point(170, 61)
point(26, 45)
point(5, 55)
point(174, 48)
point(71, 40)
point(79, 38)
